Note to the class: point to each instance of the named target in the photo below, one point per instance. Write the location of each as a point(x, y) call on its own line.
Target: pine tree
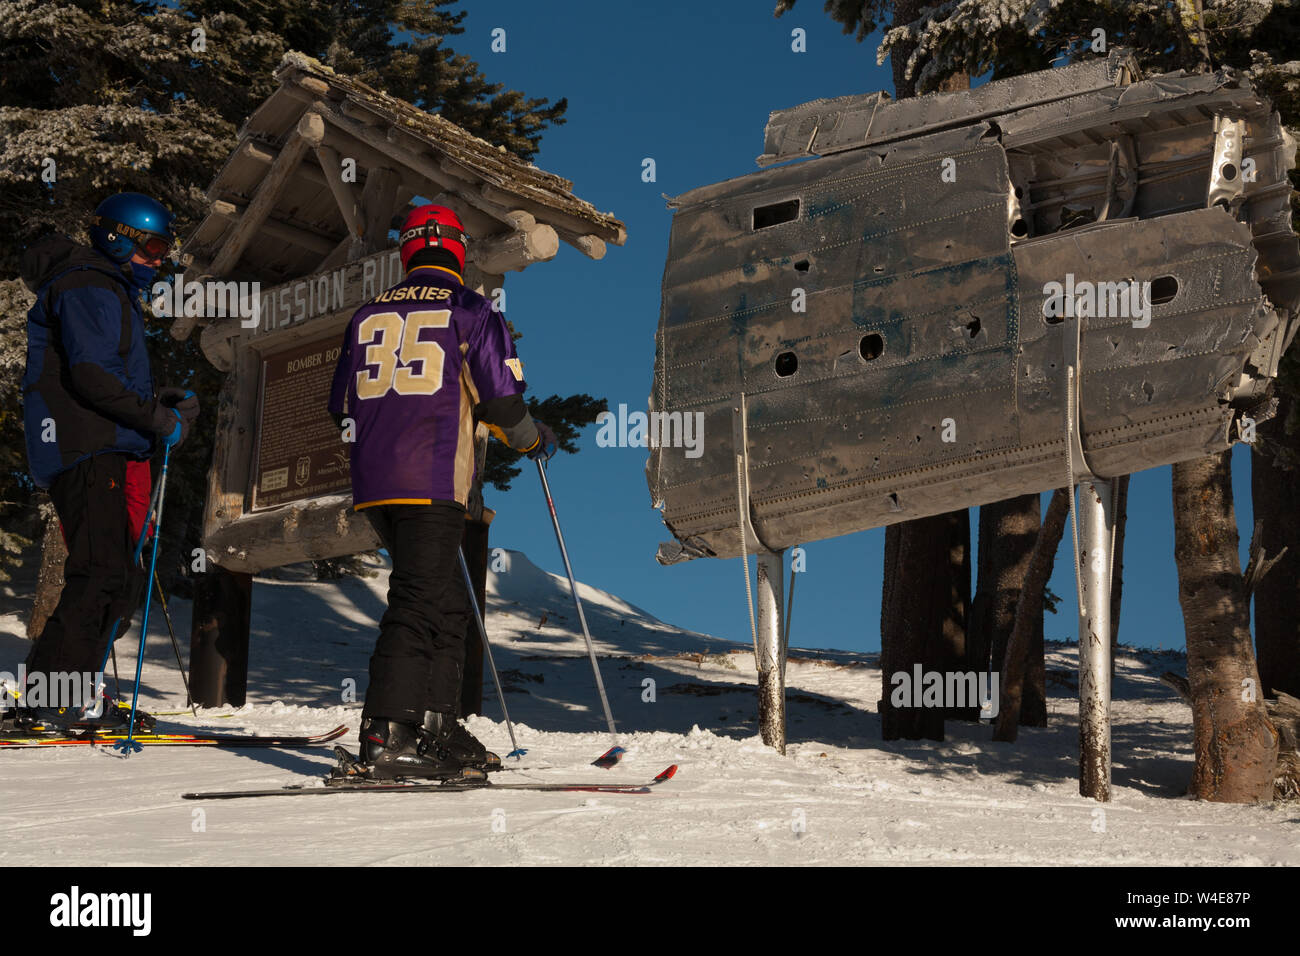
point(565, 416)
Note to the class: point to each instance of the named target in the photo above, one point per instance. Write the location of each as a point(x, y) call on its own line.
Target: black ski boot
point(466, 748)
point(392, 750)
point(116, 715)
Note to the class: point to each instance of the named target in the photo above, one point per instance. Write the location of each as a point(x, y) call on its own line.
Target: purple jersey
point(416, 359)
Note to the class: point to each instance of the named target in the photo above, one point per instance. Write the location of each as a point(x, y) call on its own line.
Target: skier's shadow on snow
point(300, 761)
point(323, 657)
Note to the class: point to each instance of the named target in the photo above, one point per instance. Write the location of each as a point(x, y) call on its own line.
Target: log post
point(223, 603)
point(1097, 518)
point(268, 191)
point(769, 651)
point(475, 544)
point(49, 579)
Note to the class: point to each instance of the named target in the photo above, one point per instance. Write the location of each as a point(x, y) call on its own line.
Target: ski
point(19, 741)
point(397, 786)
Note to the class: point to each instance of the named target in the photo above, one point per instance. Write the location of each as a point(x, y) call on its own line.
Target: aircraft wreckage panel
point(866, 342)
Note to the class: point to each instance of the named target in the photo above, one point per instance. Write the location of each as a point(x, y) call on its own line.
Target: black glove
point(545, 446)
point(181, 399)
point(170, 426)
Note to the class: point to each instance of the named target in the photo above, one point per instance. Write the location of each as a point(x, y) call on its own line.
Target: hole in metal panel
point(802, 265)
point(1228, 171)
point(973, 326)
point(1019, 229)
point(1163, 290)
point(871, 346)
point(776, 213)
point(787, 363)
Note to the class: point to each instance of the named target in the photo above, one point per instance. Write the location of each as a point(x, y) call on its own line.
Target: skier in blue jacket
point(92, 418)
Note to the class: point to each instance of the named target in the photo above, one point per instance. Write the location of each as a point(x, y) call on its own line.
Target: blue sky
point(691, 85)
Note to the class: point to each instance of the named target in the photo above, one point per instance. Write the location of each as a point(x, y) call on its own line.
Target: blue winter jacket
point(87, 388)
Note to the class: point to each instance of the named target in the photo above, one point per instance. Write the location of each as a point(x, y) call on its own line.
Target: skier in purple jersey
point(421, 363)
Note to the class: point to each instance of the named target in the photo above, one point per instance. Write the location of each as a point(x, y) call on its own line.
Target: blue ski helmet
point(131, 222)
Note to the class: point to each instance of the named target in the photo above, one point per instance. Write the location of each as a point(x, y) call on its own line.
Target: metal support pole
point(769, 651)
point(1093, 566)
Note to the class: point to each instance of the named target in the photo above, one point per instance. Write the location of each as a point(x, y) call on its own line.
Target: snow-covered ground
point(840, 795)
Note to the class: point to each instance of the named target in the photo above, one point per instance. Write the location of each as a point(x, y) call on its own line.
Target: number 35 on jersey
point(398, 359)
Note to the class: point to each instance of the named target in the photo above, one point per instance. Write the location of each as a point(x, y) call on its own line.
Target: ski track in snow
point(840, 796)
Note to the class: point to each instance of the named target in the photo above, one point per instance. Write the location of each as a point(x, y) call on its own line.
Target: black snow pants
point(419, 660)
point(101, 583)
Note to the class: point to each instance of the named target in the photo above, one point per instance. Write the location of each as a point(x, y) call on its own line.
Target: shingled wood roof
point(280, 207)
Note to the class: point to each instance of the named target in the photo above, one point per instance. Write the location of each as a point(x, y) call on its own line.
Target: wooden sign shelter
point(324, 169)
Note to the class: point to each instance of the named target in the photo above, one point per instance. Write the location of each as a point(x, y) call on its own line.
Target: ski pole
point(129, 745)
point(112, 634)
point(487, 649)
point(573, 586)
point(167, 616)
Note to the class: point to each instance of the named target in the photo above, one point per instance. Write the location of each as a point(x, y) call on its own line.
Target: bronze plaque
point(299, 451)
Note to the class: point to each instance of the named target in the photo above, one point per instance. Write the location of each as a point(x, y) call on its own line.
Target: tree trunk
point(1193, 44)
point(219, 628)
point(475, 544)
point(915, 599)
point(49, 579)
point(953, 648)
point(1018, 664)
point(905, 11)
point(1236, 745)
point(1117, 560)
point(1008, 530)
point(1033, 703)
point(1276, 495)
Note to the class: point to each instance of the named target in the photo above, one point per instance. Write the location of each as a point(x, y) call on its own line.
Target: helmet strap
point(434, 234)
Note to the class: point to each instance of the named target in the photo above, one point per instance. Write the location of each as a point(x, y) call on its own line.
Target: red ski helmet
point(428, 227)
